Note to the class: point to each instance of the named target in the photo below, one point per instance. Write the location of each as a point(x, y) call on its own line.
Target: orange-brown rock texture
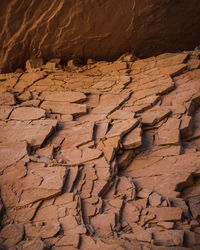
point(94, 29)
point(103, 156)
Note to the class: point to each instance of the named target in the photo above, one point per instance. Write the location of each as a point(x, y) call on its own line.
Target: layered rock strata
point(101, 156)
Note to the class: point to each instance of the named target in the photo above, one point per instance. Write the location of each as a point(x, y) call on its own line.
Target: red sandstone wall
point(95, 28)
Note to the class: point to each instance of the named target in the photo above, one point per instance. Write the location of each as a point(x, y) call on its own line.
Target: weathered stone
point(169, 238)
point(109, 153)
point(30, 103)
point(50, 186)
point(40, 230)
point(83, 179)
point(7, 98)
point(76, 156)
point(121, 115)
point(122, 127)
point(167, 213)
point(166, 224)
point(154, 116)
point(101, 130)
point(26, 214)
point(155, 199)
point(125, 159)
point(12, 234)
point(34, 244)
point(34, 63)
point(143, 236)
point(68, 96)
point(69, 240)
point(78, 135)
point(144, 193)
point(27, 113)
point(104, 224)
point(11, 152)
point(169, 132)
point(64, 108)
point(186, 126)
point(194, 204)
point(132, 139)
point(5, 112)
point(34, 133)
point(130, 214)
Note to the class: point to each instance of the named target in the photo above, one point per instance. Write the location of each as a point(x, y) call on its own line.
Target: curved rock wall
point(94, 29)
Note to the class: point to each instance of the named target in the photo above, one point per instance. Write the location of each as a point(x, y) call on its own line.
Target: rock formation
point(101, 156)
point(94, 29)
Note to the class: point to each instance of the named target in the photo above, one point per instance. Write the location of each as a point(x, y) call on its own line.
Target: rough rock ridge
point(102, 30)
point(101, 156)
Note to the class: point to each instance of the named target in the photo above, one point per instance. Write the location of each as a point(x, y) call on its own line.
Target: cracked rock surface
point(101, 156)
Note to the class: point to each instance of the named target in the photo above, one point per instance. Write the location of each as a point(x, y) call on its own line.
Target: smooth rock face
point(98, 30)
point(101, 156)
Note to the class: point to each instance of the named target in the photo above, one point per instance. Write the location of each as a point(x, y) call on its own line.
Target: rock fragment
point(11, 234)
point(27, 113)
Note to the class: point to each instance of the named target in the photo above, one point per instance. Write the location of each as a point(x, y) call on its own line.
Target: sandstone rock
point(125, 188)
point(121, 115)
point(121, 128)
point(104, 224)
point(112, 142)
point(34, 244)
point(7, 98)
point(26, 214)
point(143, 236)
point(69, 240)
point(167, 213)
point(191, 239)
point(166, 224)
point(34, 133)
point(132, 139)
point(76, 156)
point(51, 186)
point(98, 47)
point(109, 153)
point(169, 238)
point(130, 214)
point(109, 103)
point(64, 108)
point(154, 116)
point(5, 112)
point(155, 199)
point(78, 135)
point(170, 127)
point(82, 181)
point(186, 126)
point(12, 234)
point(68, 96)
point(144, 193)
point(103, 85)
point(34, 63)
point(27, 113)
point(40, 230)
point(171, 59)
point(30, 103)
point(101, 130)
point(10, 153)
point(125, 159)
point(194, 207)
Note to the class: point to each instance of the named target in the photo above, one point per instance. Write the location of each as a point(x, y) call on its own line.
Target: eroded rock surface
point(101, 30)
point(101, 156)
